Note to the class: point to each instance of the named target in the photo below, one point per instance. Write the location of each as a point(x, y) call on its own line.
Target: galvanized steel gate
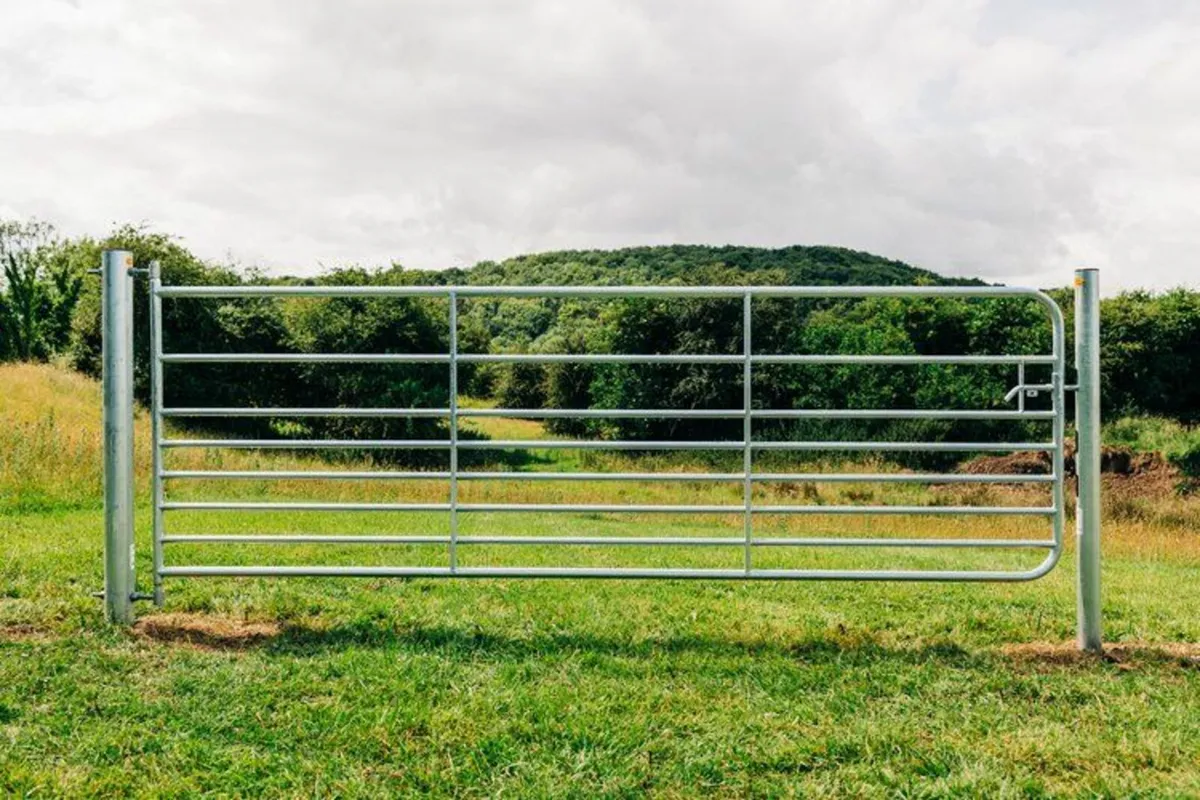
point(118, 360)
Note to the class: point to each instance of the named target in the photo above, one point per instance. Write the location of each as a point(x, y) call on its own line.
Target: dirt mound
point(1113, 460)
point(210, 633)
point(1141, 475)
point(1022, 463)
point(1123, 461)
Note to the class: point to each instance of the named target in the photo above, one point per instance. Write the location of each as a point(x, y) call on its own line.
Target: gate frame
point(119, 594)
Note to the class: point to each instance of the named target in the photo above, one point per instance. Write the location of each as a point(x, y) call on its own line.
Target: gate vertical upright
point(748, 542)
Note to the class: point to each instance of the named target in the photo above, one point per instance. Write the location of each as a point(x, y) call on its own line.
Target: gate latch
point(1034, 389)
point(1030, 390)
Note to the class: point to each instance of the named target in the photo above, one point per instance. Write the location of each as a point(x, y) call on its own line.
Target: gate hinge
point(135, 596)
point(134, 271)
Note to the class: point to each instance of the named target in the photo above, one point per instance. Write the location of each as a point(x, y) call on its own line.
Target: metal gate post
point(1087, 456)
point(117, 312)
point(156, 426)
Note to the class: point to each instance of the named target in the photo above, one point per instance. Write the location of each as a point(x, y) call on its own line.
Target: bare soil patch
point(23, 632)
point(1127, 655)
point(206, 632)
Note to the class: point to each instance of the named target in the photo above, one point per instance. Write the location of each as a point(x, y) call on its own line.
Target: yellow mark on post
point(129, 261)
point(1078, 280)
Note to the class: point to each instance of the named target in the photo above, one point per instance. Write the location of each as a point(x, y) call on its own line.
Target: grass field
point(556, 688)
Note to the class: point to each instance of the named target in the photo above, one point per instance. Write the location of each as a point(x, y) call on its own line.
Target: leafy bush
point(1150, 354)
point(39, 287)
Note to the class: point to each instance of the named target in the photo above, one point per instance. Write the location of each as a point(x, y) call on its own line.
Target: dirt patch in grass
point(23, 632)
point(1126, 655)
point(1020, 463)
point(206, 632)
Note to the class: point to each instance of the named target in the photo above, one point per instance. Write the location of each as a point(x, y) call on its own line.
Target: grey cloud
point(1010, 141)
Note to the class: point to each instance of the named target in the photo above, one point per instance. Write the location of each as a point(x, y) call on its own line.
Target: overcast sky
point(1009, 140)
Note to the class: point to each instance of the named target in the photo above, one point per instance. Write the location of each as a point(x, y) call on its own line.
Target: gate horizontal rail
point(615, 413)
point(655, 541)
point(634, 573)
point(786, 477)
point(603, 444)
point(617, 292)
point(608, 508)
point(586, 358)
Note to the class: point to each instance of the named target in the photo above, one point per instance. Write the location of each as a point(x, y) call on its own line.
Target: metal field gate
point(120, 587)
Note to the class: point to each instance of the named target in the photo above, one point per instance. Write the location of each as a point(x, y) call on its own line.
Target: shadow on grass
point(206, 632)
point(473, 644)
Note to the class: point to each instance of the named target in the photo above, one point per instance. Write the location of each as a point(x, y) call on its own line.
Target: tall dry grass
point(52, 443)
point(51, 440)
point(51, 453)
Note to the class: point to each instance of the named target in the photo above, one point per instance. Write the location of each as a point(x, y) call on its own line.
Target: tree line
point(50, 308)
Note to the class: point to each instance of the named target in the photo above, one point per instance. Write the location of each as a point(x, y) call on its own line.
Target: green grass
point(556, 688)
point(363, 687)
point(1150, 434)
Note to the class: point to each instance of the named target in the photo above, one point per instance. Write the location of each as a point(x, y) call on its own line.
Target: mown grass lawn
point(556, 688)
